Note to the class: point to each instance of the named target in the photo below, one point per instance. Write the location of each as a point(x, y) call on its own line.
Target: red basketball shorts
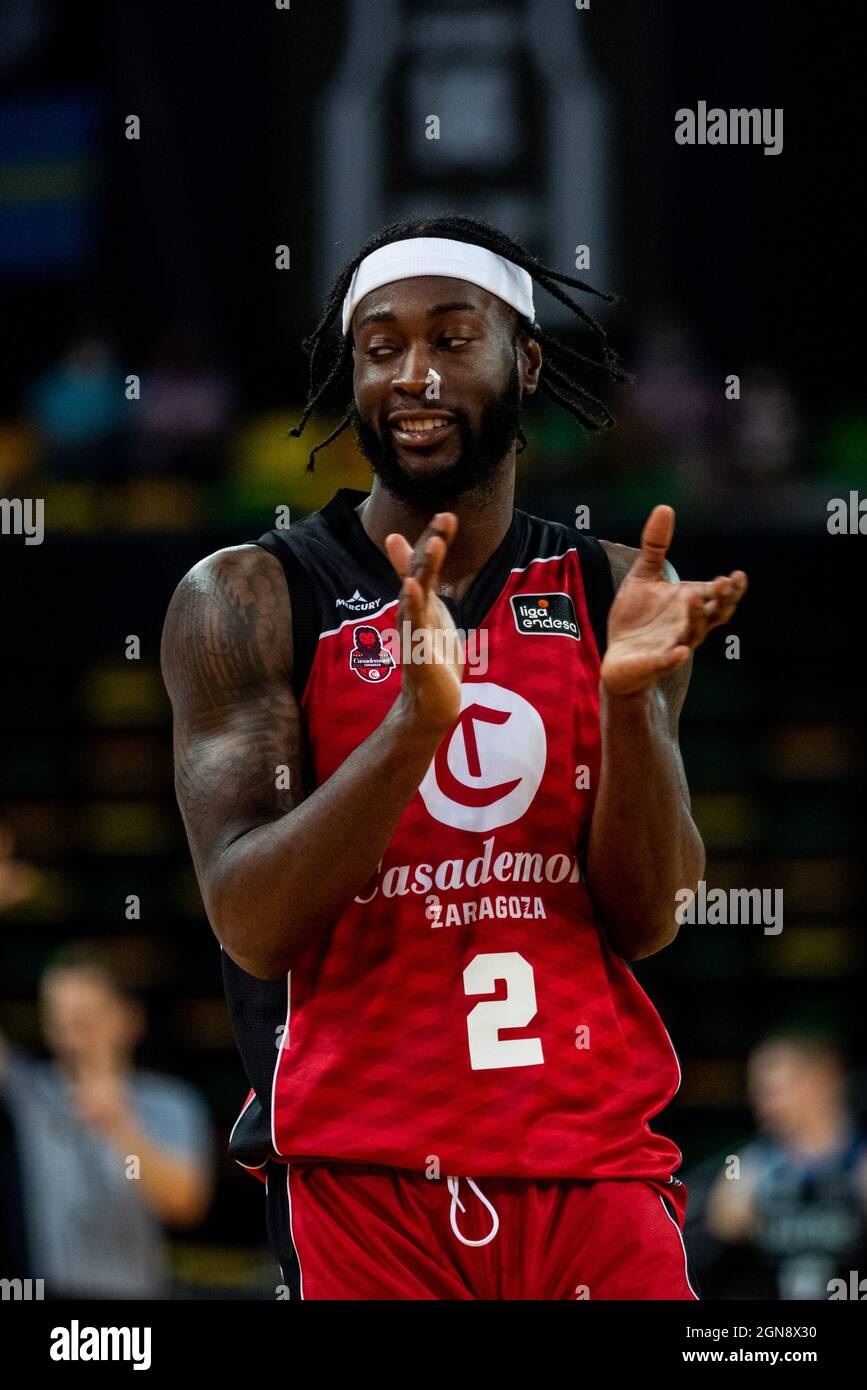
point(358, 1231)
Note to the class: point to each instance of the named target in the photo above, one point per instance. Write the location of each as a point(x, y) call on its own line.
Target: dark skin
point(398, 338)
point(227, 664)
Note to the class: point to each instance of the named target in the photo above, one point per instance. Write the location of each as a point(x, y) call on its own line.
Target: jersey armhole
point(305, 609)
point(598, 588)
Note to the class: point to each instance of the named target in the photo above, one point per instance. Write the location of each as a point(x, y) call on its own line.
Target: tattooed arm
point(275, 867)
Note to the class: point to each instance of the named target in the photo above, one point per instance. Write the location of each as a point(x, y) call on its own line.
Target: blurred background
point(194, 256)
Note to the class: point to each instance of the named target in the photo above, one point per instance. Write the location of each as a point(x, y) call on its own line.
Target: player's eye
point(379, 349)
point(450, 342)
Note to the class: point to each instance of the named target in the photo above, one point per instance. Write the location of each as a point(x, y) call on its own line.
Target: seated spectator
point(108, 1154)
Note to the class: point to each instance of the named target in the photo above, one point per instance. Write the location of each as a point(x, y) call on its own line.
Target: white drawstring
point(452, 1184)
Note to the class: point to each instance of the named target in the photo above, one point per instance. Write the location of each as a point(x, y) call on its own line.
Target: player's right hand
point(432, 687)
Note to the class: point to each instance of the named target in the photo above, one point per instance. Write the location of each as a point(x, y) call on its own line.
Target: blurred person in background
point(676, 404)
point(17, 883)
point(180, 423)
point(108, 1154)
point(17, 879)
point(798, 1209)
point(80, 409)
point(767, 431)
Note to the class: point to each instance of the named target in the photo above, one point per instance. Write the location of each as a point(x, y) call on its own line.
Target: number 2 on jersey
point(487, 1049)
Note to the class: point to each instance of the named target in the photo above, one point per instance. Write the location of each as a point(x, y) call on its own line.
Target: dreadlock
point(331, 355)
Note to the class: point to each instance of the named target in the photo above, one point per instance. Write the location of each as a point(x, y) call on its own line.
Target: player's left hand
point(654, 623)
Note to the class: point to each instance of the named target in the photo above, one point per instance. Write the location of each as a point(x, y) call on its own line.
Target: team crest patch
point(551, 615)
point(368, 658)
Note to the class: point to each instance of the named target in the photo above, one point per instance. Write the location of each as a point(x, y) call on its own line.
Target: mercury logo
point(357, 604)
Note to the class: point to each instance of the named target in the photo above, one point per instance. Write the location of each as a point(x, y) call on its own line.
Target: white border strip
point(543, 560)
point(362, 618)
point(277, 1063)
point(292, 1233)
point(682, 1246)
point(244, 1108)
point(248, 1167)
point(368, 617)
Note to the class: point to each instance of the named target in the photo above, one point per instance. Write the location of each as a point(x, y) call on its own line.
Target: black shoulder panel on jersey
point(329, 552)
point(304, 604)
point(598, 587)
point(258, 1010)
point(545, 538)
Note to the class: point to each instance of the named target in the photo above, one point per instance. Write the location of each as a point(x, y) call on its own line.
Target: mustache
point(430, 407)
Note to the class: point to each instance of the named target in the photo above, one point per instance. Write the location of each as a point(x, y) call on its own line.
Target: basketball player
point(428, 877)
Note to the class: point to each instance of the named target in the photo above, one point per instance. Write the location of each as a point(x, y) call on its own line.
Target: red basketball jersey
point(465, 1007)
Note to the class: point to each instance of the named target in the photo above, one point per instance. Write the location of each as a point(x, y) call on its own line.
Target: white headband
point(460, 260)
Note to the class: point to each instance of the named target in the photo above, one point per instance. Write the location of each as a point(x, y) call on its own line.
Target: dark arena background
point(179, 184)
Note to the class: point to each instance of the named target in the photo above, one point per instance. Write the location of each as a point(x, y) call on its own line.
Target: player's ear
point(529, 362)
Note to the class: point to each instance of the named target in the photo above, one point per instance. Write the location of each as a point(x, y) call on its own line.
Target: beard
point(478, 467)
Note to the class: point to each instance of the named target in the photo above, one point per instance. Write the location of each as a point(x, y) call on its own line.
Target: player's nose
point(413, 374)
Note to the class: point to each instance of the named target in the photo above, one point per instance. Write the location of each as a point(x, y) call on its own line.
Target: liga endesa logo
point(548, 615)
